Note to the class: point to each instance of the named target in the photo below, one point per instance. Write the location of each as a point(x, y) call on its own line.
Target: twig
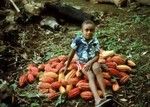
point(15, 6)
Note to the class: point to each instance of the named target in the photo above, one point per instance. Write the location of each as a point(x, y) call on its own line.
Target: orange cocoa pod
point(107, 82)
point(54, 64)
point(106, 75)
point(124, 79)
point(113, 71)
point(46, 79)
point(122, 74)
point(86, 95)
point(52, 95)
point(111, 64)
point(47, 67)
point(118, 59)
point(72, 66)
point(33, 69)
point(74, 92)
point(44, 85)
point(22, 80)
point(55, 85)
point(64, 82)
point(62, 58)
point(59, 66)
point(53, 60)
point(73, 81)
point(30, 78)
point(43, 90)
point(83, 86)
point(115, 86)
point(69, 87)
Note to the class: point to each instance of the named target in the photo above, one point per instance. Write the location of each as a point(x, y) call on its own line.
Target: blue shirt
point(85, 50)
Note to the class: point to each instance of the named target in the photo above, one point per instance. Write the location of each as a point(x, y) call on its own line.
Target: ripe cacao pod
point(124, 79)
point(44, 85)
point(44, 90)
point(131, 63)
point(55, 85)
point(83, 86)
point(73, 81)
point(71, 74)
point(30, 78)
point(113, 72)
point(86, 95)
point(46, 79)
point(69, 87)
point(122, 74)
point(124, 68)
point(74, 92)
point(111, 64)
point(22, 80)
point(50, 74)
point(118, 59)
point(52, 95)
point(62, 90)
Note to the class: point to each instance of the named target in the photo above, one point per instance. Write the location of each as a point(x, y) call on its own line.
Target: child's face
point(88, 31)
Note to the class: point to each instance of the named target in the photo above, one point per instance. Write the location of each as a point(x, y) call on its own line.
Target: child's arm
point(71, 55)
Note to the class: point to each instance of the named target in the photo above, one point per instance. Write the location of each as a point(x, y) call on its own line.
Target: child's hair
point(88, 22)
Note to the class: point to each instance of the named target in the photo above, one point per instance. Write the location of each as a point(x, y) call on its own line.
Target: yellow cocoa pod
point(71, 74)
point(61, 76)
point(130, 63)
point(50, 74)
point(69, 87)
point(124, 68)
point(62, 90)
point(105, 54)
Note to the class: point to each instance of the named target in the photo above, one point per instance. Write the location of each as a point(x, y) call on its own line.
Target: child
point(86, 47)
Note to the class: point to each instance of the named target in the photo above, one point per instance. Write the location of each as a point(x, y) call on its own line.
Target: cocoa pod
point(118, 59)
point(113, 72)
point(46, 79)
point(55, 85)
point(73, 81)
point(74, 92)
point(44, 85)
point(22, 80)
point(86, 95)
point(124, 79)
point(30, 78)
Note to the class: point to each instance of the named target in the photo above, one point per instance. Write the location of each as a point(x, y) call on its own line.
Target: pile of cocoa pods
point(53, 81)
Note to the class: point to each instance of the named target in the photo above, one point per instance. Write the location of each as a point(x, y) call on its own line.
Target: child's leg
point(93, 86)
point(98, 72)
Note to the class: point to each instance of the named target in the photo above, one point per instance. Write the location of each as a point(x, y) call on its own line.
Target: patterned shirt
point(85, 51)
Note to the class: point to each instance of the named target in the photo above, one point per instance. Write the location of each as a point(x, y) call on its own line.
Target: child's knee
point(96, 68)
